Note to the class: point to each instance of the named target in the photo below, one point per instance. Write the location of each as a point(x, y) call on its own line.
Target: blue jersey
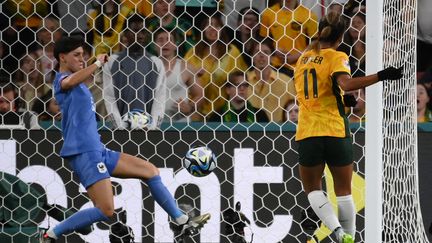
point(79, 126)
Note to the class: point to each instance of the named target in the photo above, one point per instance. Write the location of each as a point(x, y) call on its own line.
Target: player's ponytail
point(330, 30)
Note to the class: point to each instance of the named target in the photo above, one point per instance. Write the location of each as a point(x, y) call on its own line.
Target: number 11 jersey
point(320, 99)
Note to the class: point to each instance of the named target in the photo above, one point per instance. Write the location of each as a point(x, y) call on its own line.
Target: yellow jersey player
point(322, 75)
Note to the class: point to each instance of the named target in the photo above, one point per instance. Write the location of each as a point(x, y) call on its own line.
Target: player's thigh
point(311, 151)
point(338, 151)
point(90, 167)
point(129, 166)
point(339, 157)
point(311, 177)
point(101, 194)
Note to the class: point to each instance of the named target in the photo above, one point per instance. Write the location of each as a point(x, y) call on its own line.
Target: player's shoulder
point(59, 76)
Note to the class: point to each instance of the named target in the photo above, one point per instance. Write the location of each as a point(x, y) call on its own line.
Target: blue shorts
point(94, 166)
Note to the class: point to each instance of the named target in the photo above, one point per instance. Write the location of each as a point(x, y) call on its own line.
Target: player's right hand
point(390, 73)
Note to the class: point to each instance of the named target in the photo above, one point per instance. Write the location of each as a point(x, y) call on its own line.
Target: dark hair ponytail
point(330, 29)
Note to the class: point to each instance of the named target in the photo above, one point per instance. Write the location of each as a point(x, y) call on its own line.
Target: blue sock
point(79, 220)
point(163, 197)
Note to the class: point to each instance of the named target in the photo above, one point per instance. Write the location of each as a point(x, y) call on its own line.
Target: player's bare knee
point(152, 171)
point(107, 210)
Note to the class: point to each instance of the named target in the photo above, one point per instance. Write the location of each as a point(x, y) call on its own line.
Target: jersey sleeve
point(57, 82)
point(340, 64)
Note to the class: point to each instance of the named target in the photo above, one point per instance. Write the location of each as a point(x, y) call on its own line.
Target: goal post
point(373, 132)
point(393, 212)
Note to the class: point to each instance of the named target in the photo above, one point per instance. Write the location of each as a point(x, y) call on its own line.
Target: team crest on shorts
point(101, 167)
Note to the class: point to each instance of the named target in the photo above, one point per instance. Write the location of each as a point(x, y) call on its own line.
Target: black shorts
point(330, 150)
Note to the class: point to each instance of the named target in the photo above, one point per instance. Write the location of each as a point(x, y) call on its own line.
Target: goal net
point(402, 220)
point(255, 193)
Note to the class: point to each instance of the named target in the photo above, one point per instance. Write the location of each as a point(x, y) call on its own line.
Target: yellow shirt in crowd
point(27, 13)
point(143, 7)
point(105, 41)
point(290, 29)
point(271, 95)
point(215, 73)
point(320, 99)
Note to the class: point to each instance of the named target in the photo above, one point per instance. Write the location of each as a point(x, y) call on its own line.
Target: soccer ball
point(137, 119)
point(200, 161)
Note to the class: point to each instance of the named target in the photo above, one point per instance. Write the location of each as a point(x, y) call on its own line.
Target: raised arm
point(348, 84)
point(83, 74)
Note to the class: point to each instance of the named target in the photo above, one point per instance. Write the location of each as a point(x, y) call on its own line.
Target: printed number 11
point(314, 83)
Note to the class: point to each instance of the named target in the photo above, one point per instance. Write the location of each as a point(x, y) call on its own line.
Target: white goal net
point(186, 63)
point(402, 220)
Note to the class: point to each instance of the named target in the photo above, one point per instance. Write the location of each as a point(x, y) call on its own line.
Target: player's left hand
point(390, 73)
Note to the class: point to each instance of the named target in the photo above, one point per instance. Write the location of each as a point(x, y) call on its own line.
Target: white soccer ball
point(138, 119)
point(200, 161)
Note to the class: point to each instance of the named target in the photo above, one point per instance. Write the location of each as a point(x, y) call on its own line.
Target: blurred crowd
point(175, 62)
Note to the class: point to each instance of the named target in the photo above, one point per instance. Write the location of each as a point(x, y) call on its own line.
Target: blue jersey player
point(88, 157)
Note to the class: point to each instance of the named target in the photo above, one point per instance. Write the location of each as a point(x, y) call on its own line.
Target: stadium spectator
point(26, 16)
point(184, 92)
point(215, 60)
point(270, 89)
point(164, 17)
point(237, 108)
point(337, 6)
point(291, 26)
point(30, 80)
point(133, 79)
point(354, 45)
point(49, 31)
point(424, 113)
point(247, 32)
point(3, 52)
point(424, 35)
point(426, 78)
point(47, 108)
point(290, 112)
point(357, 113)
point(10, 113)
point(141, 7)
point(73, 15)
point(23, 19)
point(106, 22)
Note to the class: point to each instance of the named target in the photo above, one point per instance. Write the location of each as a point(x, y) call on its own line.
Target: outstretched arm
point(83, 74)
point(348, 84)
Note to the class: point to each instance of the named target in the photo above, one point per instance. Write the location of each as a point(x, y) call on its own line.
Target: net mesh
point(400, 175)
point(255, 192)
